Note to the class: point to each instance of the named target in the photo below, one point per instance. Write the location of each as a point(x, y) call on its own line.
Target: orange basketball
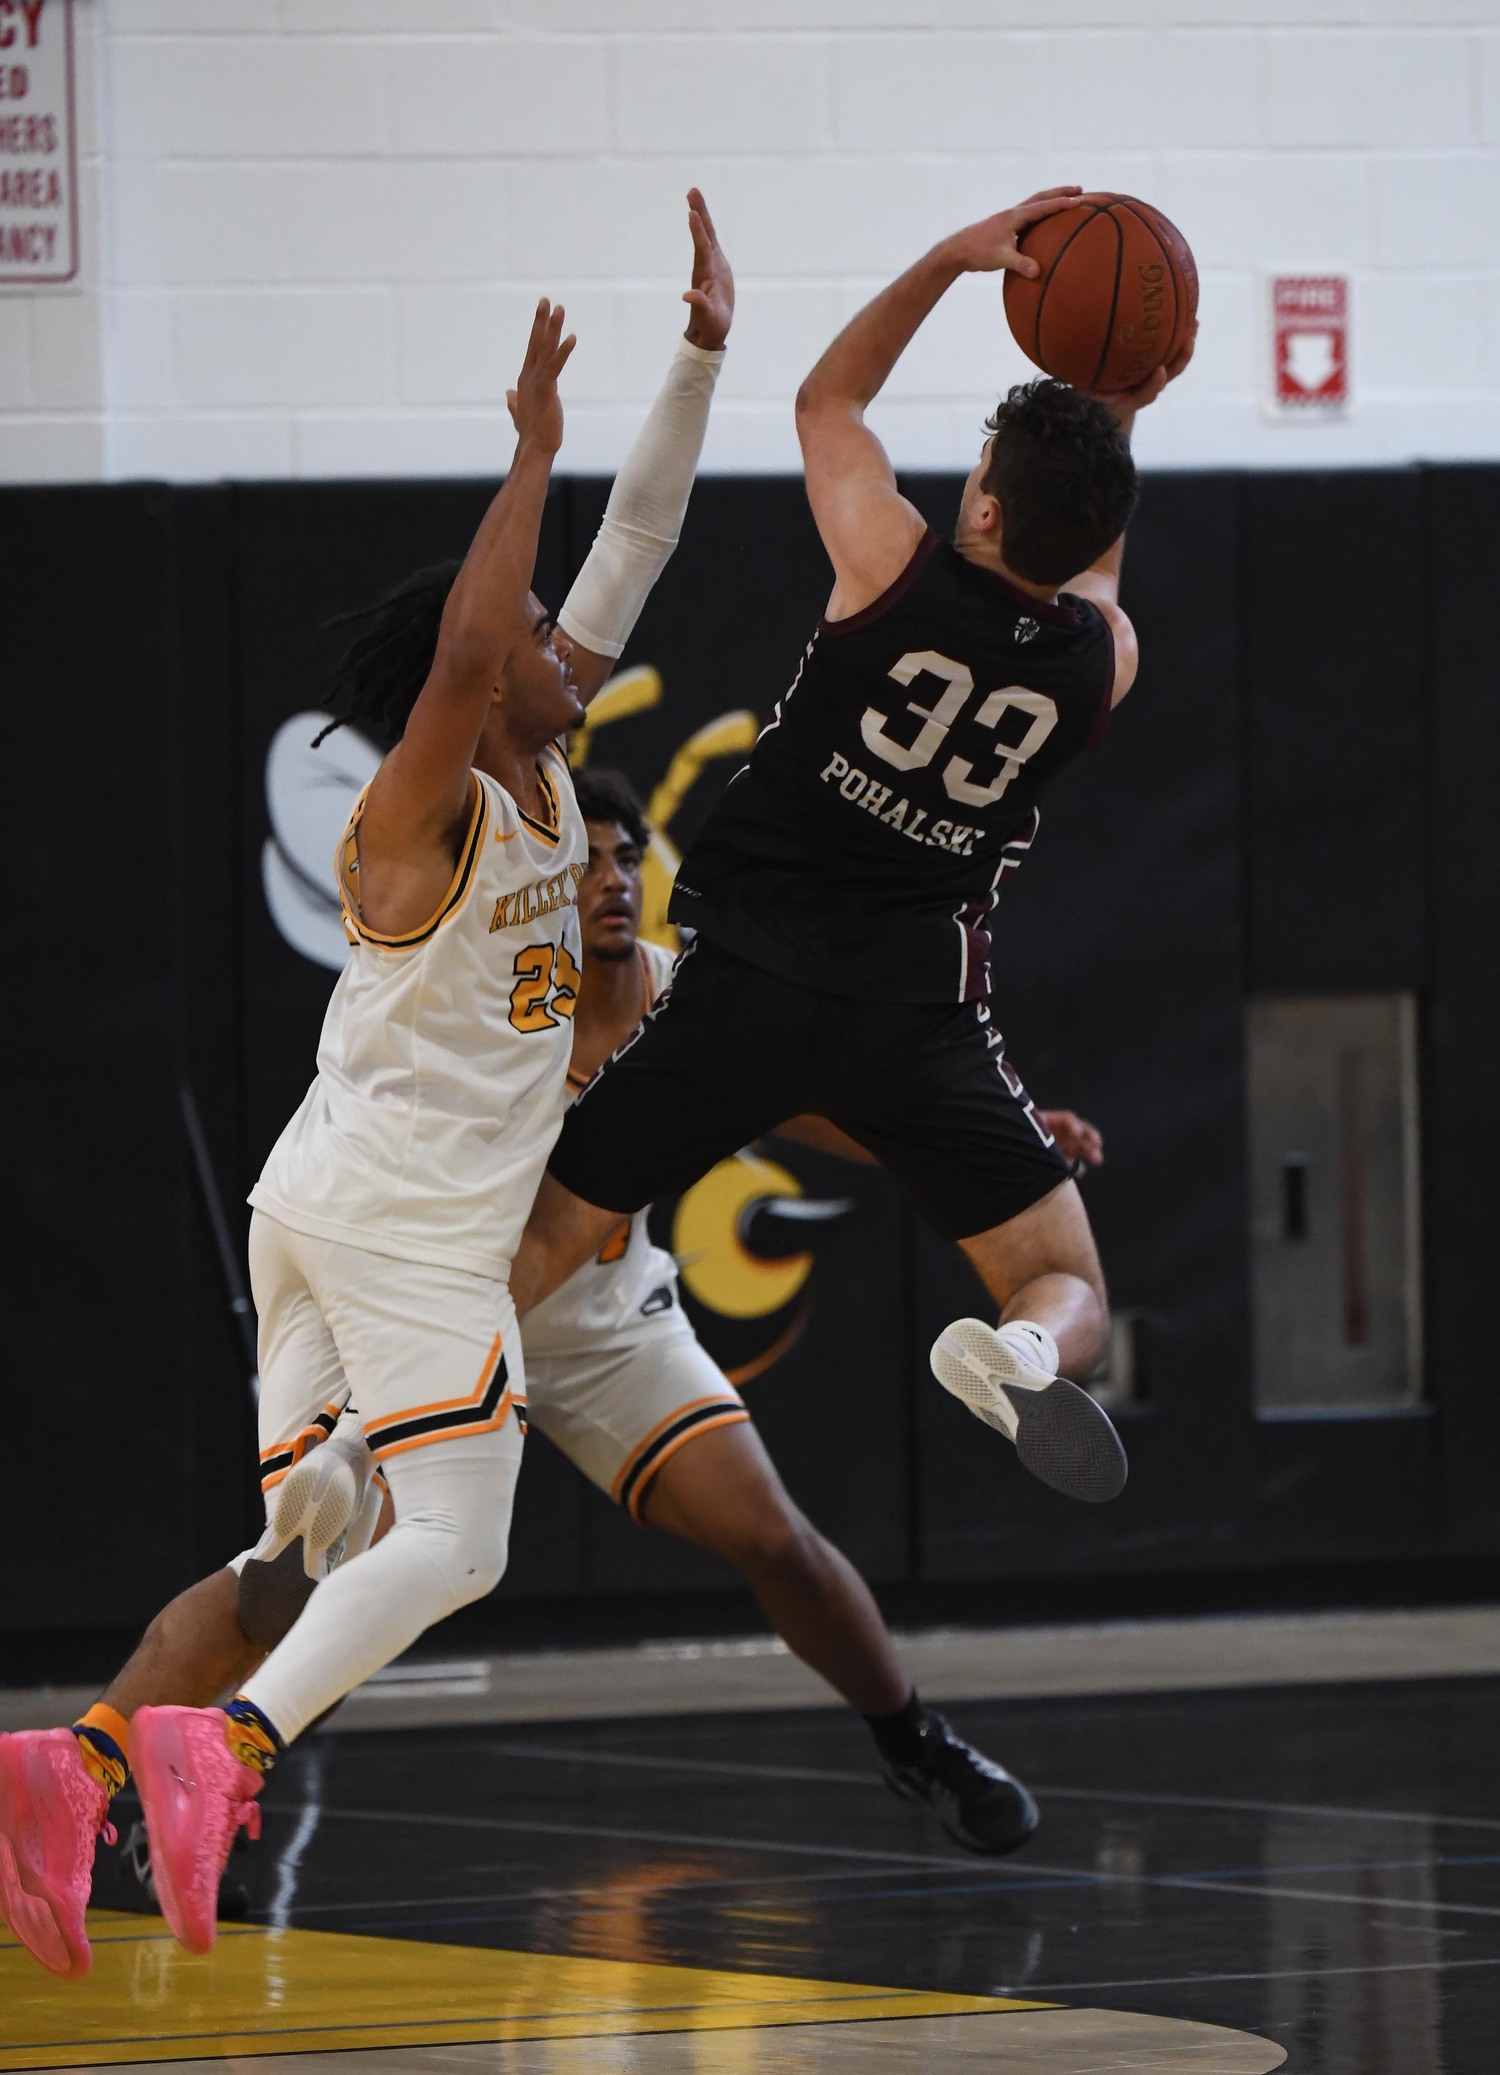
point(1116, 296)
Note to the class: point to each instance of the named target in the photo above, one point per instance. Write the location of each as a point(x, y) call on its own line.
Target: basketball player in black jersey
point(841, 890)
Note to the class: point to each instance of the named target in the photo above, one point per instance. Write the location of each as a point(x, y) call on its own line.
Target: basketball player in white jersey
point(618, 1380)
point(387, 1214)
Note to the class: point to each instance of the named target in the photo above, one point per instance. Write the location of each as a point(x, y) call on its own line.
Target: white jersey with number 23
point(442, 1068)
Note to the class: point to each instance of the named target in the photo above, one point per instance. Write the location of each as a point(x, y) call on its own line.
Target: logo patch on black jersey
point(1027, 629)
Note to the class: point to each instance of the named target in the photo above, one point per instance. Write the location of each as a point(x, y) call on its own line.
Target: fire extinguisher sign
point(1309, 361)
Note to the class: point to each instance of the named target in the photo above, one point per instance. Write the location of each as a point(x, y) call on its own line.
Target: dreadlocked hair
point(378, 677)
point(610, 796)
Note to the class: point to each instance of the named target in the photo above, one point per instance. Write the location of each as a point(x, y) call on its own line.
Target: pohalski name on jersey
point(541, 897)
point(862, 790)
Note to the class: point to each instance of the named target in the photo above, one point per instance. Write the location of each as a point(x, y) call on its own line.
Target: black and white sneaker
point(977, 1802)
point(1008, 1378)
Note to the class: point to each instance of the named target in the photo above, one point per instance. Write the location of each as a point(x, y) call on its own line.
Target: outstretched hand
point(711, 297)
point(534, 404)
point(984, 248)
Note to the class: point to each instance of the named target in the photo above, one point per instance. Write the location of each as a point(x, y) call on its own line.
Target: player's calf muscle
point(193, 1651)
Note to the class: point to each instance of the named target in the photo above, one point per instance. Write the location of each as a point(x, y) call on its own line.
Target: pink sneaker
point(195, 1794)
point(51, 1810)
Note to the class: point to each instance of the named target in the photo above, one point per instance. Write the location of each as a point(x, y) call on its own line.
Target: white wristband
point(643, 518)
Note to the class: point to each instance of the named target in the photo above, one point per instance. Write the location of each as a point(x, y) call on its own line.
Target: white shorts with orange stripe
point(619, 1405)
point(430, 1355)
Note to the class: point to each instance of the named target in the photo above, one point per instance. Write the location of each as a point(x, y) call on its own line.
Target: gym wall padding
point(1461, 1148)
point(102, 1343)
point(1295, 798)
point(1336, 756)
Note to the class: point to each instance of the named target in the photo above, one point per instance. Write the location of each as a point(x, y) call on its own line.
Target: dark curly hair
point(378, 677)
point(610, 796)
point(1061, 471)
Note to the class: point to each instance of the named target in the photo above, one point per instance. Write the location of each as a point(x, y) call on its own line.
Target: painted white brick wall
point(314, 229)
point(51, 339)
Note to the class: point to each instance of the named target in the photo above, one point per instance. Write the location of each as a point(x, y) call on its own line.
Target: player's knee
point(777, 1543)
point(466, 1545)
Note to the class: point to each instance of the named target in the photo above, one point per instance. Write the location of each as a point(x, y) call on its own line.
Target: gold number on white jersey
point(546, 989)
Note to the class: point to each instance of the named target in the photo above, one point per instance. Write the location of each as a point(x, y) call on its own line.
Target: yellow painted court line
point(271, 1992)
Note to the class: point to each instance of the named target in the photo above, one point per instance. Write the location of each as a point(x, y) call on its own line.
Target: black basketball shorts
point(730, 1052)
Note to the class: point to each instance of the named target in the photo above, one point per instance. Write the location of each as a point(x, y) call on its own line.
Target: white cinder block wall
point(314, 228)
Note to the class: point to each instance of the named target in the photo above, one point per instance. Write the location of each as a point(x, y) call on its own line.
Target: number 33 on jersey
point(863, 846)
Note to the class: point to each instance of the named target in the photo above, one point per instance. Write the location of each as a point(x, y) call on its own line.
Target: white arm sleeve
point(644, 515)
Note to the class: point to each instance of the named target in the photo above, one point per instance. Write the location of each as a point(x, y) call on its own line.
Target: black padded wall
point(1462, 1137)
point(95, 1472)
point(1293, 799)
point(1336, 757)
point(1338, 805)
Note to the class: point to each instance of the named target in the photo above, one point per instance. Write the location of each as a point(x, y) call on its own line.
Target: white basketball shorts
point(618, 1407)
point(429, 1355)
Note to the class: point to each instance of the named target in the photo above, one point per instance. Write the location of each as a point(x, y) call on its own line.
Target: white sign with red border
point(1308, 366)
point(38, 144)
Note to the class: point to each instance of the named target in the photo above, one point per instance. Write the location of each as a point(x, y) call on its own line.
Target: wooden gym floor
point(1223, 1883)
point(1220, 1876)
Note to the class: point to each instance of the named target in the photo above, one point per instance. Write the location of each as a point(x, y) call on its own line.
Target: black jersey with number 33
point(862, 847)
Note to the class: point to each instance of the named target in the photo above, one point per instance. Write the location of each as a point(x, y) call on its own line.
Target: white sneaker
point(360, 1532)
point(1008, 1378)
point(320, 1497)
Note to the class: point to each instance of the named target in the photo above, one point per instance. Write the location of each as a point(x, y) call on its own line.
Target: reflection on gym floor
point(1256, 1862)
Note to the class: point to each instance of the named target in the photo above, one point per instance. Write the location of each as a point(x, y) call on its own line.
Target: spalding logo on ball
point(1116, 295)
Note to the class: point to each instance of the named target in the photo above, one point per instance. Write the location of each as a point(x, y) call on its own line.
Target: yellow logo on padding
point(708, 1240)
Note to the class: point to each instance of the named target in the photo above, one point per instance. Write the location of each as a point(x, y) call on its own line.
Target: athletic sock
point(898, 1737)
point(104, 1746)
point(252, 1736)
point(1033, 1340)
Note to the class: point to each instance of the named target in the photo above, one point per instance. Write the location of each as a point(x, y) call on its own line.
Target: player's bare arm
point(1101, 582)
point(868, 528)
point(420, 798)
point(646, 506)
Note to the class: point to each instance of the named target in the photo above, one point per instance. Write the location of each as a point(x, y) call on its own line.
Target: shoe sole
point(969, 1844)
point(1062, 1435)
point(34, 1924)
point(1068, 1441)
point(317, 1502)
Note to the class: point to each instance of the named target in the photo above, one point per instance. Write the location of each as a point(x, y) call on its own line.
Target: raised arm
point(643, 519)
point(419, 798)
point(867, 526)
point(1101, 582)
